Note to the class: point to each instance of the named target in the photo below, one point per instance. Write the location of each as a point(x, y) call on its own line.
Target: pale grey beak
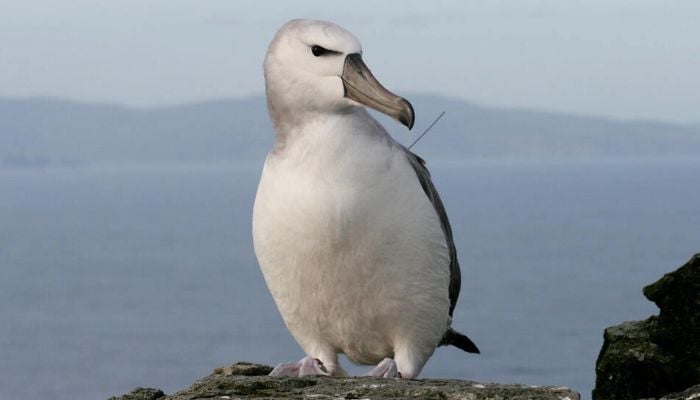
point(361, 86)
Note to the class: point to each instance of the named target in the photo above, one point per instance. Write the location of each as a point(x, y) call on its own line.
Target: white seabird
point(349, 231)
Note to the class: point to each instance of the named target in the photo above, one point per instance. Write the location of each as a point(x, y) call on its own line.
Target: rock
point(245, 369)
point(630, 366)
point(651, 358)
point(688, 394)
point(141, 394)
point(250, 381)
point(678, 297)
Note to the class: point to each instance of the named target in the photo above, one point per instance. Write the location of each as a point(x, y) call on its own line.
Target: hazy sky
point(632, 59)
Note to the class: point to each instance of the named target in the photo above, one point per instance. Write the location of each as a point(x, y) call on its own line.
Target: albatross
point(350, 233)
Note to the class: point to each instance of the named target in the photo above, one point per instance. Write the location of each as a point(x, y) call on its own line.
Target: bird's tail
point(458, 340)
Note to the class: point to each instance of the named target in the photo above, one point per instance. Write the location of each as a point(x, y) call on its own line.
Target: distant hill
point(48, 131)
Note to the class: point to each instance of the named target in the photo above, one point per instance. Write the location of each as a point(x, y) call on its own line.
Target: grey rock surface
point(250, 381)
point(651, 358)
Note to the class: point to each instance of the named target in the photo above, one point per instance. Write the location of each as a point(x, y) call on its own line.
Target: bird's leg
point(385, 369)
point(307, 366)
point(409, 361)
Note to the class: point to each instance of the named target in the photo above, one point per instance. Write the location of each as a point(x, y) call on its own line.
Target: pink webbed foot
point(385, 369)
point(307, 366)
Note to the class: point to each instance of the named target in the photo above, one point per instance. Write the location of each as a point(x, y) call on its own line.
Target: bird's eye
point(318, 51)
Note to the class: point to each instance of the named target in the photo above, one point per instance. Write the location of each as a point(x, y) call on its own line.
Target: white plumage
point(351, 248)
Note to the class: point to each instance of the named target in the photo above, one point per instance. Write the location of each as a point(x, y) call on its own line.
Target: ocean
point(113, 277)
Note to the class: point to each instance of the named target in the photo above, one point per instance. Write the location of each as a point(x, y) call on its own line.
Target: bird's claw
point(385, 369)
point(307, 366)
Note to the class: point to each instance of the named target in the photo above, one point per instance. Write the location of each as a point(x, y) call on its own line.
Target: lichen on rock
point(250, 381)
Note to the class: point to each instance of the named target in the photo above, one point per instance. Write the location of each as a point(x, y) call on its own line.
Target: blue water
point(112, 278)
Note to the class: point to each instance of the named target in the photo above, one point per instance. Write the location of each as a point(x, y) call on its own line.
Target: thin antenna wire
point(426, 130)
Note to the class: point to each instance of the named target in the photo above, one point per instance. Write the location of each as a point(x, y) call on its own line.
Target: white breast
point(350, 246)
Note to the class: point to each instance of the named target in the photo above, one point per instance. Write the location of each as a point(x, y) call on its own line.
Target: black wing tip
point(460, 341)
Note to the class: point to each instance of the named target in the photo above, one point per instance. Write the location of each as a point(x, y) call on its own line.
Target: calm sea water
point(112, 278)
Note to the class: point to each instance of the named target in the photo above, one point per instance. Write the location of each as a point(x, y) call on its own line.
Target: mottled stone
point(244, 368)
point(630, 366)
point(141, 394)
point(250, 381)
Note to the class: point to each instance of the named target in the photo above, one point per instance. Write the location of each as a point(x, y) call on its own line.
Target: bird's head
point(316, 67)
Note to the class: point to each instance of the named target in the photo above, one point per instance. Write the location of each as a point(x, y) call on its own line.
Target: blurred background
point(132, 135)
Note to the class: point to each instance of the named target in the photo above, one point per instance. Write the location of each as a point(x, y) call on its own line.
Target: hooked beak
point(361, 86)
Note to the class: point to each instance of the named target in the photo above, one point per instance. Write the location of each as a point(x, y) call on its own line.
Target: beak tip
point(407, 116)
point(406, 122)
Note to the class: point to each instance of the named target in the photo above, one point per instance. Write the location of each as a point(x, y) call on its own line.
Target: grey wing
point(423, 176)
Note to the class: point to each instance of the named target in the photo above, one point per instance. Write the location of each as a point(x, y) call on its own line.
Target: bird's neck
point(330, 129)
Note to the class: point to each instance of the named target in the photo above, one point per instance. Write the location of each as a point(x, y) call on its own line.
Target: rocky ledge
point(250, 381)
point(660, 355)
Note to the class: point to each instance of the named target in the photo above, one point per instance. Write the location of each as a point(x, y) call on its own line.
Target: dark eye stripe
point(319, 51)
